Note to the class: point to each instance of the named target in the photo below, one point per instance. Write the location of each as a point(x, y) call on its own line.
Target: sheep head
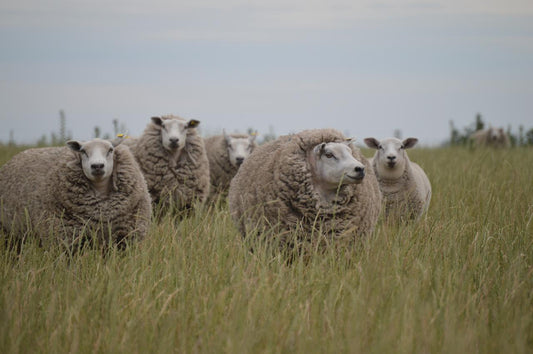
point(238, 148)
point(96, 158)
point(174, 131)
point(333, 164)
point(391, 158)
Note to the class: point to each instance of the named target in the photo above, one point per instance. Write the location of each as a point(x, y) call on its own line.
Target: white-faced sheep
point(492, 137)
point(314, 185)
point(70, 194)
point(406, 188)
point(173, 160)
point(226, 153)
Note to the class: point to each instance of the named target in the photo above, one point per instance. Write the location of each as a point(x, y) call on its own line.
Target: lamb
point(492, 137)
point(226, 153)
point(314, 186)
point(406, 188)
point(70, 194)
point(173, 161)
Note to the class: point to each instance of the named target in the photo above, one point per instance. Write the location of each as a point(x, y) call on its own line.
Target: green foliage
point(460, 280)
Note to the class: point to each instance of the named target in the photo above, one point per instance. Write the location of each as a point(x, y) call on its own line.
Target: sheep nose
point(392, 158)
point(360, 171)
point(97, 166)
point(239, 160)
point(174, 141)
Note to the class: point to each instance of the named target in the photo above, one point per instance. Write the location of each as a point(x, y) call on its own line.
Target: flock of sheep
point(314, 184)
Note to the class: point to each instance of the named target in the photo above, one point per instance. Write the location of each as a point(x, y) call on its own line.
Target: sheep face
point(174, 131)
point(496, 136)
point(96, 158)
point(333, 164)
point(239, 148)
point(391, 157)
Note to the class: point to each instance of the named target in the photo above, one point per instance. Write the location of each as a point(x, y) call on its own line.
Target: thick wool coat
point(44, 191)
point(273, 192)
point(172, 182)
point(221, 171)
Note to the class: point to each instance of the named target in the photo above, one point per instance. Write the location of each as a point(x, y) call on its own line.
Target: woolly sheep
point(492, 137)
point(69, 193)
point(173, 161)
point(226, 153)
point(405, 186)
point(314, 182)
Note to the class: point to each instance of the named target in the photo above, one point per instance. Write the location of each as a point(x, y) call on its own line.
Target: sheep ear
point(349, 141)
point(320, 148)
point(227, 137)
point(372, 143)
point(74, 145)
point(409, 143)
point(157, 121)
point(252, 136)
point(118, 140)
point(193, 123)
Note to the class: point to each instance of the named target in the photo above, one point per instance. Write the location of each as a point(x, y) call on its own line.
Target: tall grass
point(460, 280)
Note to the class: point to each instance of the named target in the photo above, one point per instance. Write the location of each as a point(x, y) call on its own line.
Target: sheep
point(314, 186)
point(492, 137)
point(173, 161)
point(405, 186)
point(73, 193)
point(225, 154)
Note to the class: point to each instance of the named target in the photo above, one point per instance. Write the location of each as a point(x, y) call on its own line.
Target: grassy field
point(459, 281)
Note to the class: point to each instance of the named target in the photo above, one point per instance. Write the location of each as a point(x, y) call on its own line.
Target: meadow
point(458, 281)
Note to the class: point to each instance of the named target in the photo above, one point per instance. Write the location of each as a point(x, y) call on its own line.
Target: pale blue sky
point(365, 68)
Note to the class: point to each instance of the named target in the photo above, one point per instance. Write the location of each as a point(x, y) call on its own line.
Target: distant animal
point(226, 153)
point(173, 161)
point(491, 137)
point(314, 185)
point(405, 186)
point(71, 194)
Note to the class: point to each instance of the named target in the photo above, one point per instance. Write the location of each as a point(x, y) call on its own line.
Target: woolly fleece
point(273, 190)
point(482, 138)
point(221, 170)
point(61, 205)
point(180, 182)
point(408, 196)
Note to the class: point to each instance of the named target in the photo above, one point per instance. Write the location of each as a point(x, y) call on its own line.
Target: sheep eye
point(110, 151)
point(380, 147)
point(83, 152)
point(329, 155)
point(402, 147)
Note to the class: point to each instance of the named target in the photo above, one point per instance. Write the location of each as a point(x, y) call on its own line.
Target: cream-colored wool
point(274, 192)
point(404, 184)
point(173, 181)
point(221, 170)
point(492, 137)
point(45, 192)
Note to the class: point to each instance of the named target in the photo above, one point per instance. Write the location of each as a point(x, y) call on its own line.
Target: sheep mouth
point(358, 178)
point(391, 164)
point(98, 173)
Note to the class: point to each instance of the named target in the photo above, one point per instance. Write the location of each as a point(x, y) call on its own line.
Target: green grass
point(459, 281)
